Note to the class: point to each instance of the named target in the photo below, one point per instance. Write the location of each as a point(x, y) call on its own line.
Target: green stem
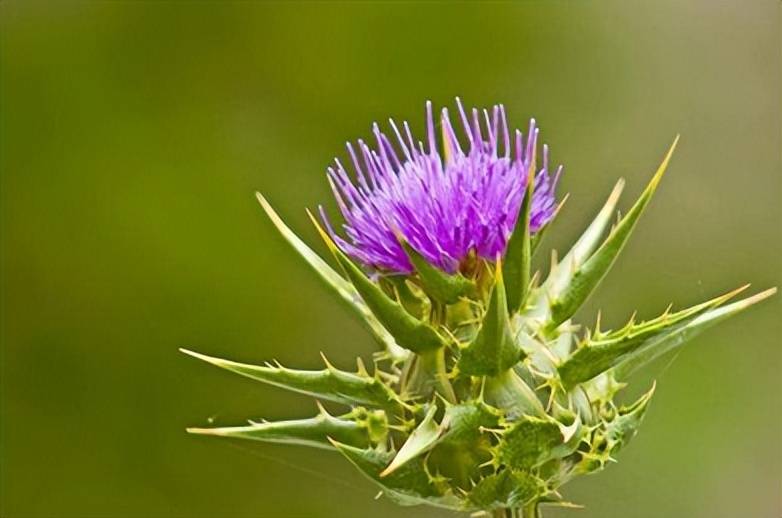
point(435, 363)
point(531, 510)
point(426, 373)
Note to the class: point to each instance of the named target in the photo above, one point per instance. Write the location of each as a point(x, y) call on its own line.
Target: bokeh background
point(134, 134)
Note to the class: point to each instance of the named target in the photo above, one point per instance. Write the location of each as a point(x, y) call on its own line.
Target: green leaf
point(465, 443)
point(493, 350)
point(508, 489)
point(307, 432)
point(555, 501)
point(440, 286)
point(675, 339)
point(408, 485)
point(624, 426)
point(462, 433)
point(336, 284)
point(605, 350)
point(512, 395)
point(562, 273)
point(330, 383)
point(587, 276)
point(518, 255)
point(539, 352)
point(467, 421)
point(420, 441)
point(408, 331)
point(531, 441)
point(612, 435)
point(410, 300)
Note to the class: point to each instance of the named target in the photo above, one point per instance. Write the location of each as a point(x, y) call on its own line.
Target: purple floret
point(445, 208)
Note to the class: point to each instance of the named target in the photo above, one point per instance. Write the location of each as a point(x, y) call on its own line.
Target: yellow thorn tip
point(323, 234)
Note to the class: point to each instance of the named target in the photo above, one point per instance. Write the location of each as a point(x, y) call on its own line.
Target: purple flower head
point(445, 206)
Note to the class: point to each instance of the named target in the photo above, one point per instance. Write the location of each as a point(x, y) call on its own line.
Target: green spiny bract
point(485, 397)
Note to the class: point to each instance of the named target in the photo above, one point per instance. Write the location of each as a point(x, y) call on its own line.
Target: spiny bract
point(485, 397)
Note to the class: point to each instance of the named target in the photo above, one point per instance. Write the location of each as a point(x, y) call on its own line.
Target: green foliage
point(602, 351)
point(494, 349)
point(440, 286)
point(518, 255)
point(421, 440)
point(343, 289)
point(411, 484)
point(586, 276)
point(408, 331)
point(330, 383)
point(495, 403)
point(531, 441)
point(681, 335)
point(561, 274)
point(507, 489)
point(611, 435)
point(358, 428)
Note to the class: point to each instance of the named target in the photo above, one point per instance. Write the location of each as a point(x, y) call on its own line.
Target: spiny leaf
point(442, 287)
point(307, 432)
point(330, 383)
point(493, 350)
point(612, 435)
point(670, 341)
point(506, 489)
point(604, 350)
point(421, 440)
point(624, 426)
point(512, 395)
point(600, 390)
point(336, 284)
point(539, 352)
point(578, 401)
point(466, 443)
point(531, 441)
point(588, 275)
point(466, 420)
point(410, 300)
point(518, 255)
point(460, 435)
point(560, 274)
point(408, 485)
point(331, 277)
point(408, 331)
point(554, 501)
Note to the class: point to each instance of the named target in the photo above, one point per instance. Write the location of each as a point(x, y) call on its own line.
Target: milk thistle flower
point(447, 208)
point(485, 396)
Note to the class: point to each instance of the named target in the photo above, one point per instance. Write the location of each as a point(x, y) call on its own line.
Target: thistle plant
point(485, 396)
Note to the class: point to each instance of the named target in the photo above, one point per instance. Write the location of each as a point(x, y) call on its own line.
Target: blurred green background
point(133, 137)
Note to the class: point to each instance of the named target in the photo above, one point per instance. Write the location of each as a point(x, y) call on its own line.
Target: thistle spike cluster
point(485, 396)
